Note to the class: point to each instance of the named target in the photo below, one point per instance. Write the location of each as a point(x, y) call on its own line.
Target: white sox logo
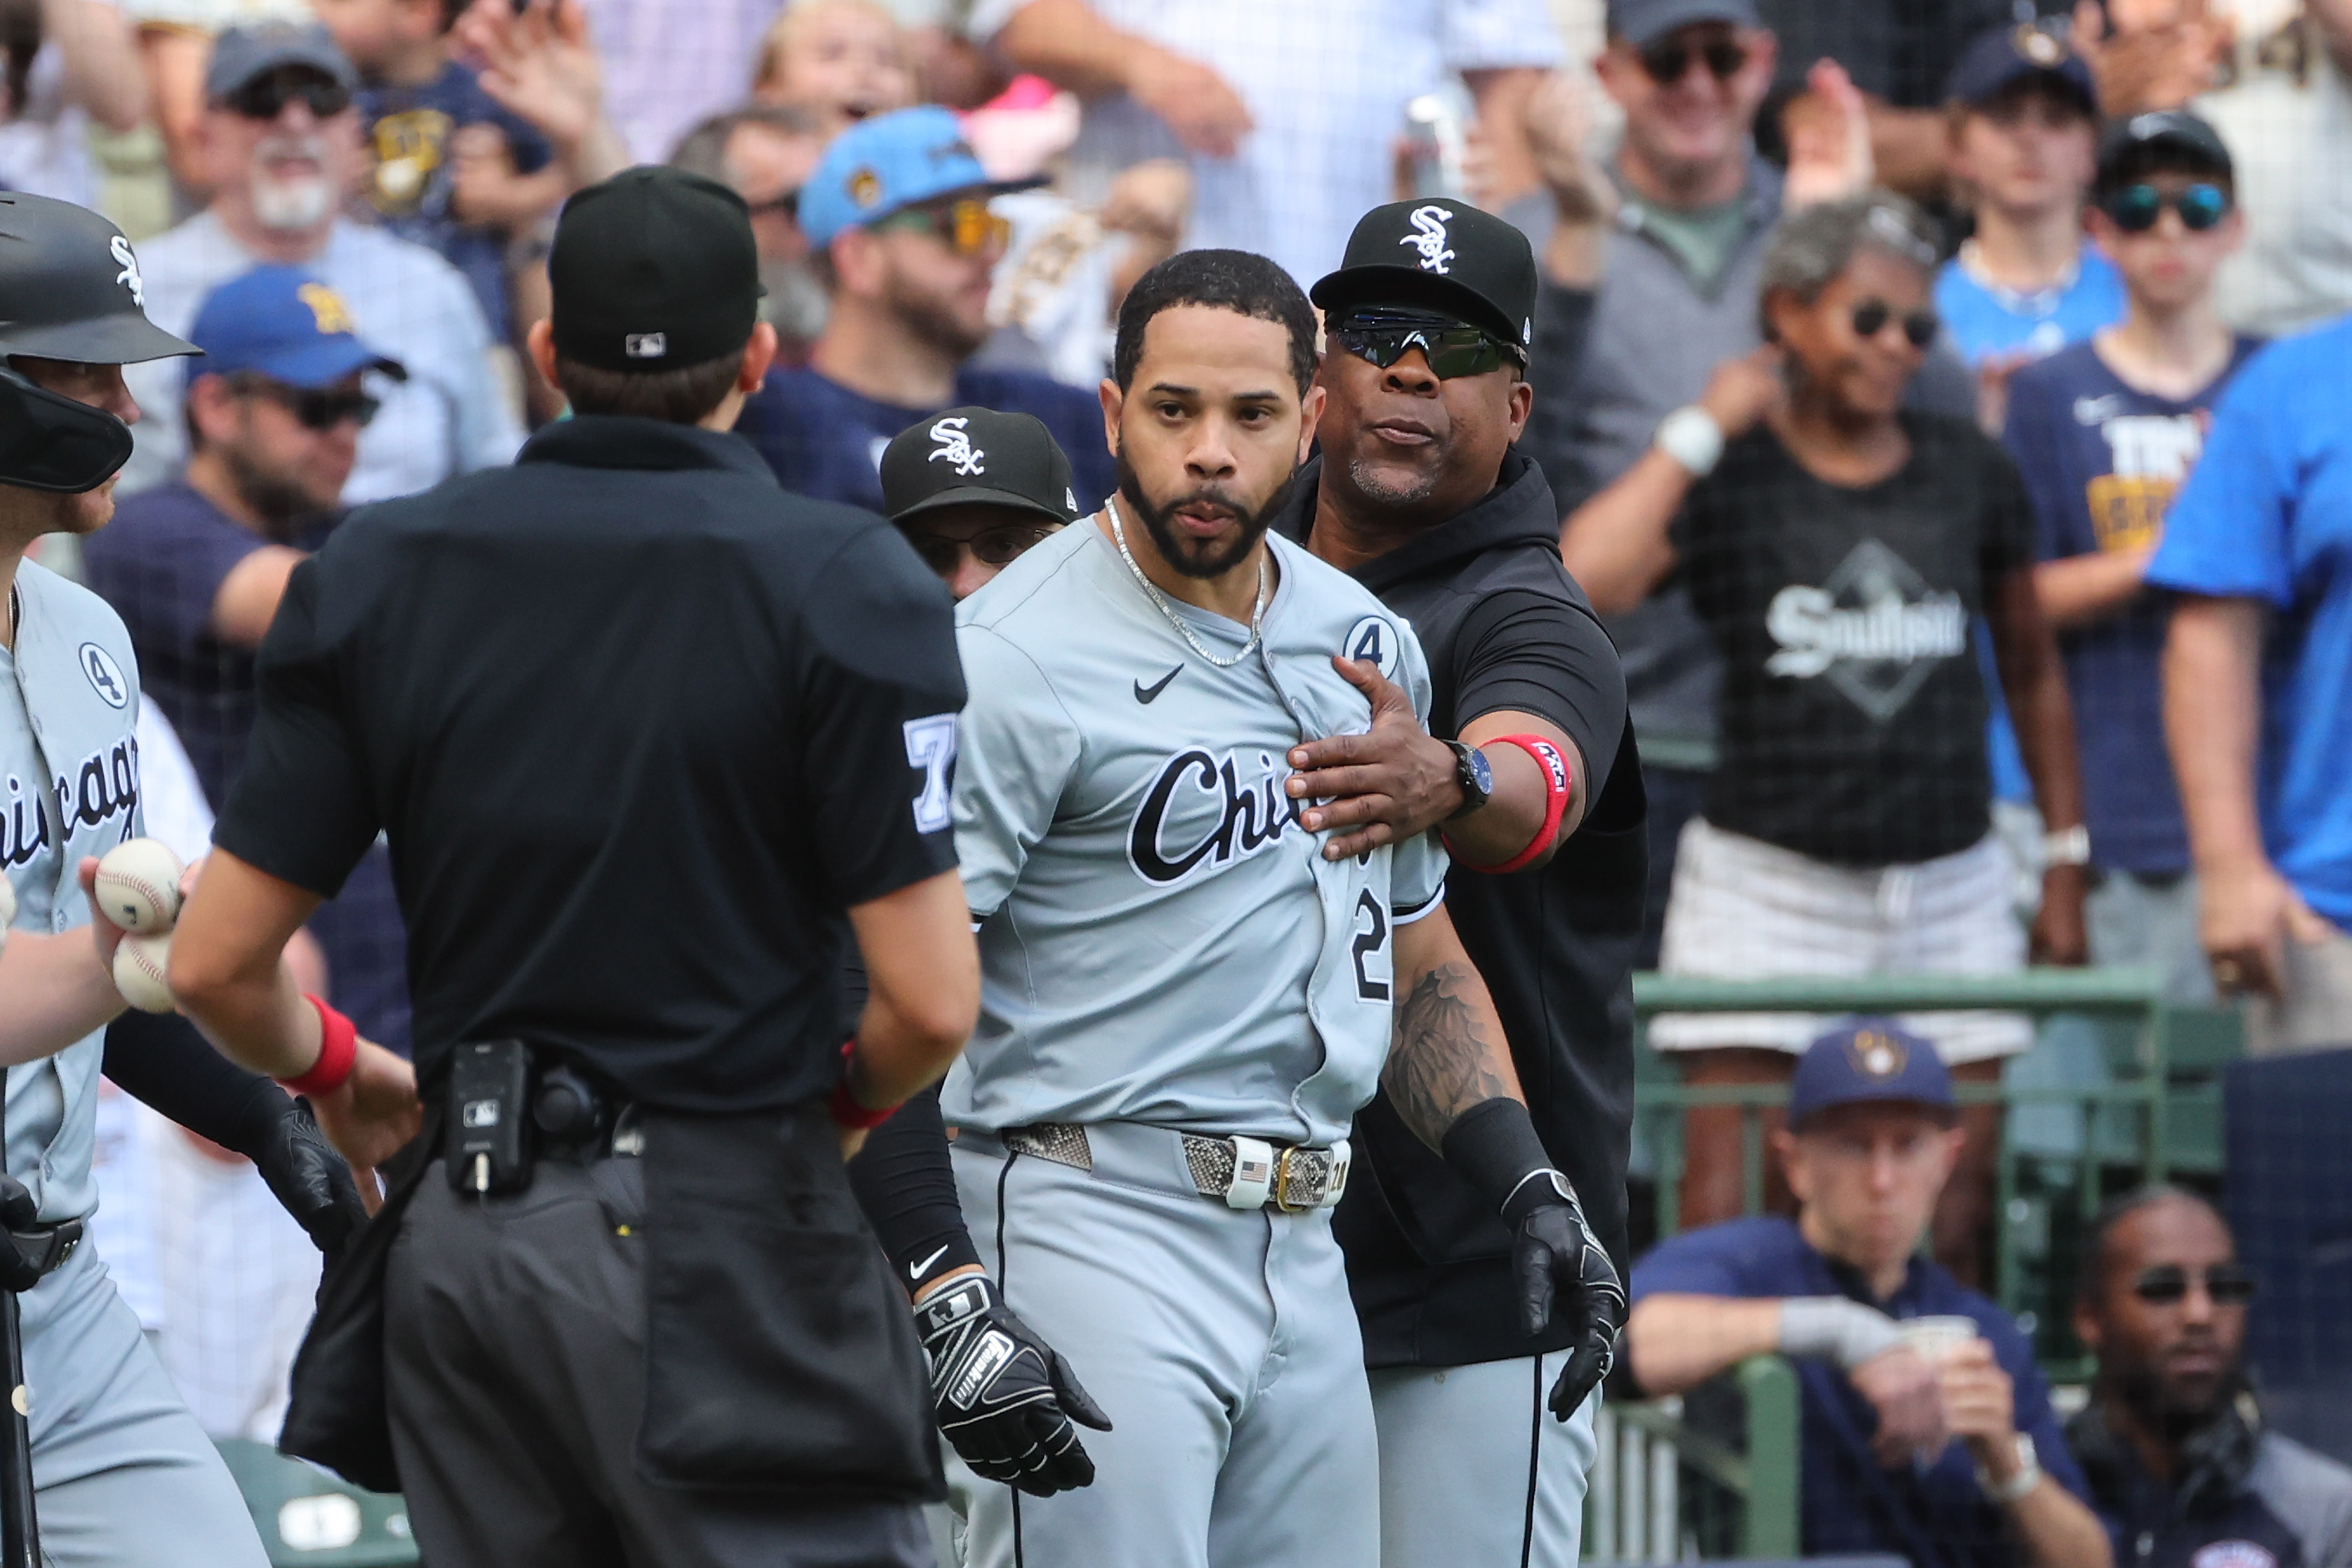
point(1250, 819)
point(955, 447)
point(120, 249)
point(1429, 237)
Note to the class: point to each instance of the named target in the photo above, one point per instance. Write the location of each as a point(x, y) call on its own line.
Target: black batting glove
point(309, 1179)
point(1560, 1266)
point(1004, 1397)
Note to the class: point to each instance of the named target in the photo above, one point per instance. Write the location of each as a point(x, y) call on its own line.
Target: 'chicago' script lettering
point(1250, 818)
point(102, 785)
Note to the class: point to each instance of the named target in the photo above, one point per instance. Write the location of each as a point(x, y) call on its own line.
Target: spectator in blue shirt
point(1918, 1439)
point(2104, 433)
point(196, 566)
point(897, 216)
point(2258, 552)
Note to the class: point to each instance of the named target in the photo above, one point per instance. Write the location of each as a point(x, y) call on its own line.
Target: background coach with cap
point(647, 737)
point(1419, 494)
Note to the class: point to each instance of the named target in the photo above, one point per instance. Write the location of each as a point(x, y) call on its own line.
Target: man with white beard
point(284, 140)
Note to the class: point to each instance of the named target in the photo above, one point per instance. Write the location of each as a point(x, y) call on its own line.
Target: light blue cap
point(889, 162)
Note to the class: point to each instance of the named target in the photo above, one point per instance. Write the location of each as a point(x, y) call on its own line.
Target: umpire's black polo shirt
point(640, 727)
point(1506, 629)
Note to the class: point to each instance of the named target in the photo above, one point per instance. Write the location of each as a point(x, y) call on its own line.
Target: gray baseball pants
point(121, 1472)
point(1221, 1342)
point(1474, 1471)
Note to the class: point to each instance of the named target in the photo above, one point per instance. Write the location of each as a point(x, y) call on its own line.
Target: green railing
point(309, 1519)
point(2145, 1099)
point(1662, 1486)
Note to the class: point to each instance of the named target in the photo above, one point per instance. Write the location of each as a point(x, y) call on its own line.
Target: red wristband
point(339, 1052)
point(1559, 782)
point(843, 1105)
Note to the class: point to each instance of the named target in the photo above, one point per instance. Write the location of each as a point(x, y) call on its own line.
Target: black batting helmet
point(69, 289)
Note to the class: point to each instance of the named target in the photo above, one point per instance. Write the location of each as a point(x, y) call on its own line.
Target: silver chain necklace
point(1257, 611)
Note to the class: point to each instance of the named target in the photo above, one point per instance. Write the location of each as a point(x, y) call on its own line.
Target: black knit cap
point(653, 269)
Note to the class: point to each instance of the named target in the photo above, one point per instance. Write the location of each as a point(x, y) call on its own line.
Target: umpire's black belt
point(1241, 1173)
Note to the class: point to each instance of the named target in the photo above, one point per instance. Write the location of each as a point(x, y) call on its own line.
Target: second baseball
point(138, 886)
point(143, 967)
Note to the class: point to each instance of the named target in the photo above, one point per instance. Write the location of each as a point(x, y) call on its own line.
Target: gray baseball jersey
point(1161, 940)
point(68, 787)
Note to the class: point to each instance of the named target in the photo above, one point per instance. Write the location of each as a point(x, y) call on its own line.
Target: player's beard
point(1188, 556)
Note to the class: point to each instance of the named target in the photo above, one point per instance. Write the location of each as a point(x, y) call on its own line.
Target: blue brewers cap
point(1867, 1060)
point(887, 163)
point(1994, 59)
point(283, 323)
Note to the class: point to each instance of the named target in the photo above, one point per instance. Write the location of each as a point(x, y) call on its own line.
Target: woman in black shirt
point(1839, 551)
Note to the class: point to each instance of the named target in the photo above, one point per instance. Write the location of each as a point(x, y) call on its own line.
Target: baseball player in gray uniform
point(123, 1472)
point(1185, 997)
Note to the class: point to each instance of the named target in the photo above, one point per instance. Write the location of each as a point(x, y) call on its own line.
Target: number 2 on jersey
point(1371, 940)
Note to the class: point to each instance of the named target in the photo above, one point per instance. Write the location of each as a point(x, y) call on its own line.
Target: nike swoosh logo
point(915, 1270)
point(1149, 693)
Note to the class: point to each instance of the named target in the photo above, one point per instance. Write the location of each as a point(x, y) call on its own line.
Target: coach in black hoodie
point(1419, 494)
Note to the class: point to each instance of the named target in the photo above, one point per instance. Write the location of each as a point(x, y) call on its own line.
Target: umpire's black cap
point(1438, 255)
point(70, 290)
point(653, 269)
point(977, 457)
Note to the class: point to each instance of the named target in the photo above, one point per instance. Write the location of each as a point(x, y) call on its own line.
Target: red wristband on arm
point(843, 1105)
point(339, 1052)
point(1560, 781)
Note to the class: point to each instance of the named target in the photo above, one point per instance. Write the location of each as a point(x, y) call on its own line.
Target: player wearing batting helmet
point(125, 1473)
point(648, 739)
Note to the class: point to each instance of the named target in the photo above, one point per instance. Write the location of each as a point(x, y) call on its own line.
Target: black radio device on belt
point(489, 1107)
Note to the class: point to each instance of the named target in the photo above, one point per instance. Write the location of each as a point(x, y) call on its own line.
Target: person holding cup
point(1926, 1429)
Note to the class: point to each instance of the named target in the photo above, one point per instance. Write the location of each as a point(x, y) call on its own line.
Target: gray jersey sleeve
point(1417, 874)
point(1021, 747)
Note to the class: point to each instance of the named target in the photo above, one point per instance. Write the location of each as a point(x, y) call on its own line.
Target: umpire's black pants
point(514, 1350)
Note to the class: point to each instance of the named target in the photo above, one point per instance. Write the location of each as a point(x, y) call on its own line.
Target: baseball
point(138, 886)
point(142, 966)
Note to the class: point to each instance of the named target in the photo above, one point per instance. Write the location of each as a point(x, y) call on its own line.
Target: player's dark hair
point(1236, 281)
point(2096, 1242)
point(681, 396)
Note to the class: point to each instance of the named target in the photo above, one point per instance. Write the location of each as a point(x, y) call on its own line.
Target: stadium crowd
point(1947, 408)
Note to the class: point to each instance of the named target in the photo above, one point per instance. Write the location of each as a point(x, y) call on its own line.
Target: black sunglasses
point(1664, 62)
point(266, 97)
point(1919, 327)
point(2135, 208)
point(991, 547)
point(320, 409)
point(2166, 1285)
point(1451, 348)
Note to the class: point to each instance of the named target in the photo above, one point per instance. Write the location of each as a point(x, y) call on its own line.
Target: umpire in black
point(648, 738)
point(1419, 493)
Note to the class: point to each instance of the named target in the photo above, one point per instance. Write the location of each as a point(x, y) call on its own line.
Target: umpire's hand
point(1005, 1398)
point(1554, 1253)
point(309, 1179)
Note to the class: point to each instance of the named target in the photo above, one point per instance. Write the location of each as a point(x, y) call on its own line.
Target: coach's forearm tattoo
point(1441, 1063)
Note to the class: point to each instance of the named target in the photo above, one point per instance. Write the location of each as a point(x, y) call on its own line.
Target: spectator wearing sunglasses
point(1837, 553)
point(1926, 1429)
point(898, 218)
point(975, 489)
point(284, 140)
point(2182, 1468)
point(274, 415)
point(1675, 304)
point(2104, 432)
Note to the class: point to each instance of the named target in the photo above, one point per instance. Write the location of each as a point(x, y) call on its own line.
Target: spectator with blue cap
point(898, 225)
point(1895, 1358)
point(196, 566)
point(2023, 121)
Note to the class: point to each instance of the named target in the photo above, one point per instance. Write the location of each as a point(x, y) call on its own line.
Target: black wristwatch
point(1474, 774)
